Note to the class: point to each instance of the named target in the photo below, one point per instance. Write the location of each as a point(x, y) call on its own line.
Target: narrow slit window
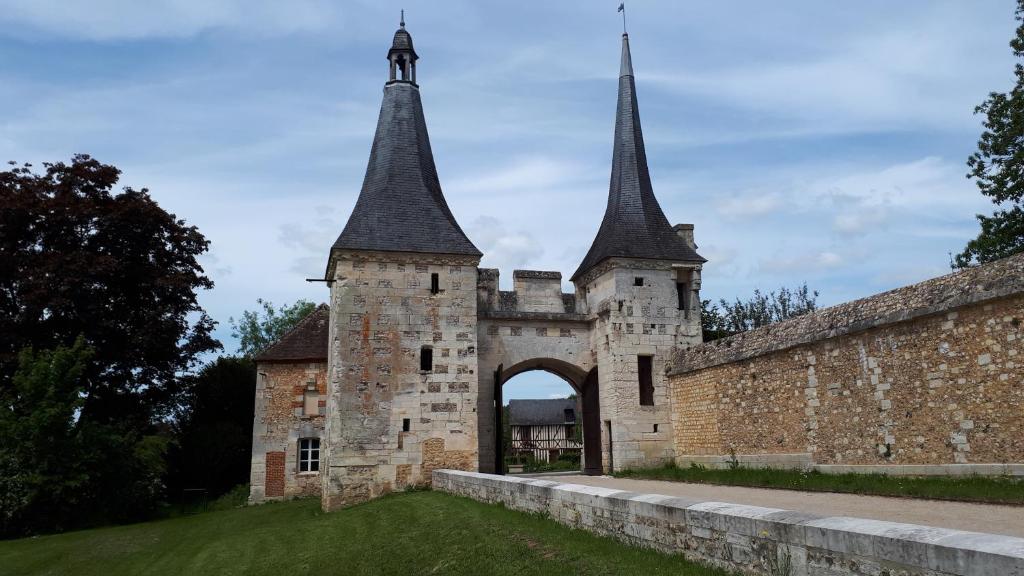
point(435, 283)
point(405, 424)
point(645, 380)
point(426, 359)
point(683, 293)
point(309, 455)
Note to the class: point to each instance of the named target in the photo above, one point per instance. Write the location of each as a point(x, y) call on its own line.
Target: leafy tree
point(759, 310)
point(257, 330)
point(213, 428)
point(59, 470)
point(997, 167)
point(37, 423)
point(77, 258)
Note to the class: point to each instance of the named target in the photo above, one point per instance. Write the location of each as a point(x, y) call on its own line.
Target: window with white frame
point(309, 455)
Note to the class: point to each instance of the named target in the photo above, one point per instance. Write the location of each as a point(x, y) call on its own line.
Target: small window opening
point(570, 416)
point(405, 424)
point(309, 455)
point(683, 293)
point(435, 283)
point(638, 281)
point(426, 359)
point(645, 380)
point(655, 427)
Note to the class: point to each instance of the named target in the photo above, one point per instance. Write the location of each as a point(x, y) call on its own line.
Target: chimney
point(685, 231)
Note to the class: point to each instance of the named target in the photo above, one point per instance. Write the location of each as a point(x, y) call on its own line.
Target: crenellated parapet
point(535, 294)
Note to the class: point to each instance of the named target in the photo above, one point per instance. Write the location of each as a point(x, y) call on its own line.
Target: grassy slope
point(968, 488)
point(407, 534)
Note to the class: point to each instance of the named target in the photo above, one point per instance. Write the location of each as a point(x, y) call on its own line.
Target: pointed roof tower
point(401, 207)
point(634, 225)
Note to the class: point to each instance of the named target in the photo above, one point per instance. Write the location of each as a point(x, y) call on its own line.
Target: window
point(435, 284)
point(644, 377)
point(570, 416)
point(405, 424)
point(638, 281)
point(683, 292)
point(309, 455)
point(426, 359)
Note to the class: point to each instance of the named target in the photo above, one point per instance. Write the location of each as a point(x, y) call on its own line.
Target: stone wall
point(636, 312)
point(389, 421)
point(750, 539)
point(278, 425)
point(925, 375)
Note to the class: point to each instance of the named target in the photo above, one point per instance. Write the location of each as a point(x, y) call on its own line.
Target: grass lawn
point(410, 533)
point(996, 490)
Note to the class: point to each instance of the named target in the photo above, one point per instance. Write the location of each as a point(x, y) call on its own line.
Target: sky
point(807, 141)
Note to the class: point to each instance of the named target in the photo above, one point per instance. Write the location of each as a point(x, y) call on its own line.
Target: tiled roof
point(541, 412)
point(634, 225)
point(401, 207)
point(307, 341)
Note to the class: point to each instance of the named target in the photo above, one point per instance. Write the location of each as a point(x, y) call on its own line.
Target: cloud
point(807, 262)
point(749, 205)
point(106, 20)
point(503, 248)
point(310, 240)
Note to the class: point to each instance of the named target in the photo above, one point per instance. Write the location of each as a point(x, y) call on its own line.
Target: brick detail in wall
point(275, 474)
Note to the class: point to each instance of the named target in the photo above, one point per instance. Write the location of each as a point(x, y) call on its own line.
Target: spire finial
point(622, 8)
point(402, 22)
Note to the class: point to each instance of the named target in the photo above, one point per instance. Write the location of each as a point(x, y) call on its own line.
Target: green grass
point(411, 533)
point(996, 490)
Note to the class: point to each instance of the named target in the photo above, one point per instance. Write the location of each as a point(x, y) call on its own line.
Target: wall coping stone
point(918, 550)
point(991, 281)
point(542, 274)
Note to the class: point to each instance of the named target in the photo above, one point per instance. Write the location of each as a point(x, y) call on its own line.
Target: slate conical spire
point(634, 225)
point(401, 207)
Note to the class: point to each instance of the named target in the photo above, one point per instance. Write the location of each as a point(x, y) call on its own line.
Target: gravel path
point(991, 518)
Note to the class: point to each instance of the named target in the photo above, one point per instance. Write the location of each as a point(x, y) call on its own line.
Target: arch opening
point(559, 431)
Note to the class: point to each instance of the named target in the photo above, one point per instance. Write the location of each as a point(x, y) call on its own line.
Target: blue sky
point(806, 140)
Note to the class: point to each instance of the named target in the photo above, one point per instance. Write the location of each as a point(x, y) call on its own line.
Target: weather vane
point(622, 8)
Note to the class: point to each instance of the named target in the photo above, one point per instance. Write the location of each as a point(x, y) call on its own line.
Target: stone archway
point(585, 383)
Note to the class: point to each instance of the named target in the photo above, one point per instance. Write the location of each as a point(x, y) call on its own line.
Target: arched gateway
point(402, 374)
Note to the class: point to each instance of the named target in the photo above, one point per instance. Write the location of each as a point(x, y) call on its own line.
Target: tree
point(213, 428)
point(759, 310)
point(59, 470)
point(76, 258)
point(257, 330)
point(83, 266)
point(38, 425)
point(997, 167)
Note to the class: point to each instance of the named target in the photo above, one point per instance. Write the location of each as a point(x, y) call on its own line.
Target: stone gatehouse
point(401, 373)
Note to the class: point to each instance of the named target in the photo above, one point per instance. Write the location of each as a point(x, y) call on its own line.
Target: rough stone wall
point(940, 384)
point(382, 314)
point(750, 539)
point(278, 425)
point(629, 321)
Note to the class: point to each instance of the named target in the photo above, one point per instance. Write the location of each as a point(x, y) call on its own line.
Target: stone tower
point(639, 283)
point(402, 344)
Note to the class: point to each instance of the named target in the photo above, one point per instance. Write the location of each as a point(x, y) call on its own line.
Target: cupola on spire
point(402, 57)
point(634, 225)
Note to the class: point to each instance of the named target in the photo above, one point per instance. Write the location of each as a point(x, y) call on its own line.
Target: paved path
point(990, 518)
